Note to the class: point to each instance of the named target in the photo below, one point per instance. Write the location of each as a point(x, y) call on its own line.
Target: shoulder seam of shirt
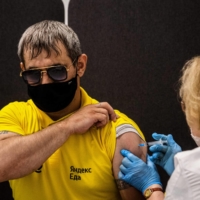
point(124, 128)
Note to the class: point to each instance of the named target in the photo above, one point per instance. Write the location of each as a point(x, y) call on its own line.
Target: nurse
point(183, 167)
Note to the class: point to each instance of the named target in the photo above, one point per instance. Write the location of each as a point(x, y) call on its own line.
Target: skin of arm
point(129, 141)
point(22, 155)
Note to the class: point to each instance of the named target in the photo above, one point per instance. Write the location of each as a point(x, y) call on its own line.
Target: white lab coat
point(184, 184)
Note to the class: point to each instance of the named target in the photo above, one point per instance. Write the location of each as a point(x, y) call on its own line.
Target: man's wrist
point(66, 127)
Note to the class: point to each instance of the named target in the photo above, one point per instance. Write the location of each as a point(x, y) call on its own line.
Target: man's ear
point(81, 64)
point(22, 66)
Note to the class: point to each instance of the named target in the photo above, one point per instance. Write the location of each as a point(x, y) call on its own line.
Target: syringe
point(160, 141)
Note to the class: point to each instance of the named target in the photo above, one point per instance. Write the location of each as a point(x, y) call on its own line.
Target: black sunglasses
point(56, 73)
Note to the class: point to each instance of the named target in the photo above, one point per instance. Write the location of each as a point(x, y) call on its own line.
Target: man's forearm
point(21, 155)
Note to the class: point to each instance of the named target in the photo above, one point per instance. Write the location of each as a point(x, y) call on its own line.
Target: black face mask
point(54, 96)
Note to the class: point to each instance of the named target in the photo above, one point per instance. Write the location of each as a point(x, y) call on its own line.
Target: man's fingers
point(111, 113)
point(102, 118)
point(101, 123)
point(92, 115)
point(98, 105)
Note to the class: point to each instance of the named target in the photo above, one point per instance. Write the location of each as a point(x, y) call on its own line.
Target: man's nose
point(45, 79)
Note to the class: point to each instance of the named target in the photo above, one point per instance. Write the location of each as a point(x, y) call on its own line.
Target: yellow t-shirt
point(80, 169)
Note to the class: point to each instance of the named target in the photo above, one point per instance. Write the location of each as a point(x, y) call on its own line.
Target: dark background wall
point(136, 50)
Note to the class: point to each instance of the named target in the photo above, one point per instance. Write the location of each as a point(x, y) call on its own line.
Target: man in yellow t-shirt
point(62, 144)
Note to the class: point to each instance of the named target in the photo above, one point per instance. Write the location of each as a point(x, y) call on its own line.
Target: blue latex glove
point(163, 155)
point(137, 173)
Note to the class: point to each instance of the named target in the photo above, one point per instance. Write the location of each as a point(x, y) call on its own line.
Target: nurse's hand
point(137, 173)
point(163, 155)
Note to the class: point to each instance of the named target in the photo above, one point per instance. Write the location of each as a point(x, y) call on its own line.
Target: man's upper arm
point(129, 141)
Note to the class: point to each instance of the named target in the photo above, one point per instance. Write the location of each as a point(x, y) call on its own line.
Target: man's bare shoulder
point(131, 141)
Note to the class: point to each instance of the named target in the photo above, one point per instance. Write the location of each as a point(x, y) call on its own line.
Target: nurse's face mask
point(196, 139)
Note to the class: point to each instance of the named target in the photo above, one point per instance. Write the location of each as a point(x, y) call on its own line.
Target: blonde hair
point(190, 90)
